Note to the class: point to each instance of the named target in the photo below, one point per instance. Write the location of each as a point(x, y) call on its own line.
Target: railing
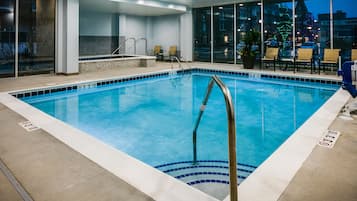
point(231, 133)
point(146, 44)
point(120, 46)
point(178, 61)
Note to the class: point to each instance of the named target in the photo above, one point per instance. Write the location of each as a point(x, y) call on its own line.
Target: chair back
point(173, 50)
point(304, 54)
point(354, 55)
point(331, 55)
point(157, 49)
point(271, 53)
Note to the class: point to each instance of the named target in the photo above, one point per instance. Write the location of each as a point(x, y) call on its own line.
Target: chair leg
point(274, 64)
point(311, 66)
point(261, 64)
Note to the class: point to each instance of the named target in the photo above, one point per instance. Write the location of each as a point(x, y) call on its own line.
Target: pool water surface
point(152, 119)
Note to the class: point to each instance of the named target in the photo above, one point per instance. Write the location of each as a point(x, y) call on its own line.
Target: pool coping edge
point(43, 120)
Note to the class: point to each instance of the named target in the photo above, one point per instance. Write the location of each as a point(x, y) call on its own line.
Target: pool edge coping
point(272, 177)
point(21, 109)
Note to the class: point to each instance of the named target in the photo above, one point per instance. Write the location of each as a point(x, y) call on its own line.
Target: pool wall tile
point(92, 84)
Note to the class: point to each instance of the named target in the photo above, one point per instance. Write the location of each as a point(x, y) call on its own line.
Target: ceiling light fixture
point(155, 4)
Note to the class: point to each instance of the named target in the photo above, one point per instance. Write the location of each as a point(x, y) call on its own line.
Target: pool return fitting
point(231, 133)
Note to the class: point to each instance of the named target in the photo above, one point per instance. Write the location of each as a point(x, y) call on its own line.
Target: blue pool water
point(152, 119)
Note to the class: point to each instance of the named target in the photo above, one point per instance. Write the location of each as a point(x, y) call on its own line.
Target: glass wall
point(36, 36)
point(7, 38)
point(248, 16)
point(223, 38)
point(312, 28)
point(345, 27)
point(202, 34)
point(278, 27)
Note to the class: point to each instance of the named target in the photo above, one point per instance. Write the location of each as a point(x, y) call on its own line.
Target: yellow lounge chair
point(354, 55)
point(158, 52)
point(271, 55)
point(304, 56)
point(172, 51)
point(331, 57)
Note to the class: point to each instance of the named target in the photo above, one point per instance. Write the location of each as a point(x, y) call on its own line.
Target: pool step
point(205, 171)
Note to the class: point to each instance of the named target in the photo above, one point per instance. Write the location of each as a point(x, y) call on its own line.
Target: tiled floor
point(52, 157)
point(50, 170)
point(328, 174)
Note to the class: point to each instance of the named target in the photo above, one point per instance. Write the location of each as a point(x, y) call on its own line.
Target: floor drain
point(28, 126)
point(329, 139)
point(353, 113)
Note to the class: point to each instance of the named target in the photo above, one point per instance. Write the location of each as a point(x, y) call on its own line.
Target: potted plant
point(250, 49)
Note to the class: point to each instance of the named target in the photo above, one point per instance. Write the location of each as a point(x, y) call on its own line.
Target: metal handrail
point(178, 61)
point(132, 38)
point(231, 133)
point(146, 45)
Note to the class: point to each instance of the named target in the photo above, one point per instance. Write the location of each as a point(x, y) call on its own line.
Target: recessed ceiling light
point(156, 4)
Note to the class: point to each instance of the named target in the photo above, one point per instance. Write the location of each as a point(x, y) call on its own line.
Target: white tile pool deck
point(272, 175)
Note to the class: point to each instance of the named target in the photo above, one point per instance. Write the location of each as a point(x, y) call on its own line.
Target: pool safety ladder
point(123, 44)
point(231, 133)
point(174, 58)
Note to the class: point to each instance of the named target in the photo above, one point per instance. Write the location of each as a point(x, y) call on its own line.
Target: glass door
point(7, 38)
point(36, 36)
point(202, 34)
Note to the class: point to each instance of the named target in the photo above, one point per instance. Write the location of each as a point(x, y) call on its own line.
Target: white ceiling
point(131, 7)
point(124, 7)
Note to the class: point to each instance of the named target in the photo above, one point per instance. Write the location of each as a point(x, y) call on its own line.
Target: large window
point(248, 19)
point(312, 26)
point(345, 27)
point(36, 36)
point(7, 38)
point(223, 28)
point(278, 27)
point(202, 34)
point(288, 26)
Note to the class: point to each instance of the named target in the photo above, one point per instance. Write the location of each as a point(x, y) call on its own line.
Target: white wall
point(93, 23)
point(135, 27)
point(186, 36)
point(67, 39)
point(165, 32)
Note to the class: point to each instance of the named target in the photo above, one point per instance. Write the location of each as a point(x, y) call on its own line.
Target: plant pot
point(248, 62)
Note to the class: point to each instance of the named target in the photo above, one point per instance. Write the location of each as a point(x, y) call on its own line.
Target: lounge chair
point(331, 57)
point(172, 51)
point(271, 56)
point(304, 56)
point(354, 55)
point(158, 52)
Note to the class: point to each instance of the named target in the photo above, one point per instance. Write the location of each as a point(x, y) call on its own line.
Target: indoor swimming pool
point(151, 117)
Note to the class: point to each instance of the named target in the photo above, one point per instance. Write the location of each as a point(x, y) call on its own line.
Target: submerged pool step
point(204, 171)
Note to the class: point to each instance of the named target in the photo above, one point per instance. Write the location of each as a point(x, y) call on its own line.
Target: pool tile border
point(91, 84)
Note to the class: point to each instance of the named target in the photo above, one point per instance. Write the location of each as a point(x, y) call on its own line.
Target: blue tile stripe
point(207, 181)
point(73, 87)
point(204, 166)
point(203, 161)
point(206, 173)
